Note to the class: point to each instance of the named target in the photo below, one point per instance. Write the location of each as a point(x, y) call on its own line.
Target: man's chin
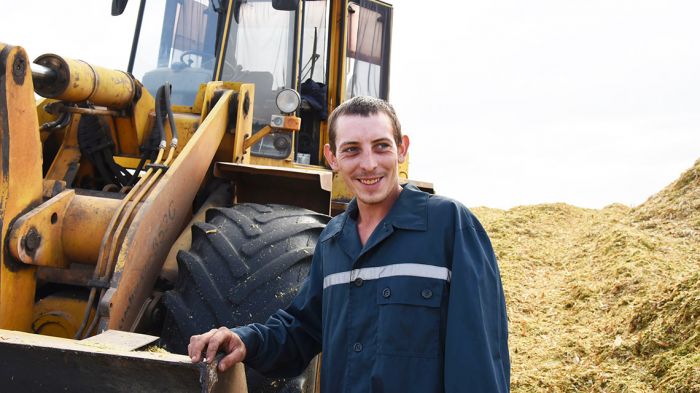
point(370, 199)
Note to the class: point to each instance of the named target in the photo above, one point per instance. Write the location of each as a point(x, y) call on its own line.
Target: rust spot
point(19, 68)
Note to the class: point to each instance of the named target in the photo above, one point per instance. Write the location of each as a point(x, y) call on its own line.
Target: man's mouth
point(370, 181)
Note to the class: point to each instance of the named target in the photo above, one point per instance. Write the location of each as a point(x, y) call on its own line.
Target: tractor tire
point(245, 262)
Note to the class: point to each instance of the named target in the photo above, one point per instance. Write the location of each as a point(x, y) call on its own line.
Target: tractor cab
point(324, 50)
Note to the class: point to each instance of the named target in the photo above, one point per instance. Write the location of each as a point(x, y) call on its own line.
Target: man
point(404, 293)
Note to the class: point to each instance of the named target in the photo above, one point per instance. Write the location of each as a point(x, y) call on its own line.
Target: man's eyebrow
point(351, 143)
point(348, 143)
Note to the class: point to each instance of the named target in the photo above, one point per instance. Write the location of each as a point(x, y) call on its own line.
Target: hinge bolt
point(32, 240)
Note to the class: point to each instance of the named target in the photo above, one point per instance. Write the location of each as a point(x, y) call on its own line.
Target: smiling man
point(404, 292)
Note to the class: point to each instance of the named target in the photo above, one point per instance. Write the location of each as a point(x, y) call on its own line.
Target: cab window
point(180, 50)
point(260, 50)
point(367, 71)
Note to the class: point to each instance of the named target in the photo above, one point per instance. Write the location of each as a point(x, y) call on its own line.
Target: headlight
point(288, 100)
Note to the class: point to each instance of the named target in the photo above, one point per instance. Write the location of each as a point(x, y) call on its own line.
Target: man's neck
point(370, 215)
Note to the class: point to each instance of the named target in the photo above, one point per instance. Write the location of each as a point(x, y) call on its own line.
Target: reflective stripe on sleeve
point(401, 269)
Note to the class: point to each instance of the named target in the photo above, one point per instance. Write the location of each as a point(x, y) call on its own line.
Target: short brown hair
point(363, 106)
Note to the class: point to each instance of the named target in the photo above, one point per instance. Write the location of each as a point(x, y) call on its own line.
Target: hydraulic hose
point(167, 90)
point(159, 116)
point(116, 225)
point(105, 266)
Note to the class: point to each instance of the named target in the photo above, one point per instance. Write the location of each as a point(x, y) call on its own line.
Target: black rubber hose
point(107, 176)
point(61, 122)
point(149, 151)
point(159, 115)
point(138, 169)
point(117, 170)
point(168, 107)
point(160, 99)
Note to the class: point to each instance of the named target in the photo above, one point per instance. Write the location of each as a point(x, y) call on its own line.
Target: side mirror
point(285, 5)
point(118, 7)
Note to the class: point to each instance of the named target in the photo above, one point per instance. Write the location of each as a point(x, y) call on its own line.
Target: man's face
point(367, 157)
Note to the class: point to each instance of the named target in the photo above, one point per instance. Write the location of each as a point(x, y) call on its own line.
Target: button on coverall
point(419, 308)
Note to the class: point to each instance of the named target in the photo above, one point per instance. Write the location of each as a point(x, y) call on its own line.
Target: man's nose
point(369, 161)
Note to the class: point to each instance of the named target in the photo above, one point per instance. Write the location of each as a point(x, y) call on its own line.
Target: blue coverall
point(419, 308)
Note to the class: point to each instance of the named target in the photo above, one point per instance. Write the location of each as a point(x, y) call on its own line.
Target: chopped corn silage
point(603, 300)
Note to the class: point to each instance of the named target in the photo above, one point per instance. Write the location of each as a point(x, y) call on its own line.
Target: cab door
point(358, 54)
point(368, 45)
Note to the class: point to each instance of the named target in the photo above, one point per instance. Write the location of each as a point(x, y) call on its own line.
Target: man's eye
point(383, 146)
point(350, 149)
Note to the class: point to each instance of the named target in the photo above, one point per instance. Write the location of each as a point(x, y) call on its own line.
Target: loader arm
point(142, 227)
point(162, 215)
point(21, 181)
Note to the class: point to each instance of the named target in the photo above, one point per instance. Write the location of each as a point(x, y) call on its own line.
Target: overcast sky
point(507, 102)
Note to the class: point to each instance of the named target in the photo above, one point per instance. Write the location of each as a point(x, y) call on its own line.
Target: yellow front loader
point(184, 194)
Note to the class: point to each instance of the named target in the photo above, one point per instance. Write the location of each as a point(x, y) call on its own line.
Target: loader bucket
point(105, 363)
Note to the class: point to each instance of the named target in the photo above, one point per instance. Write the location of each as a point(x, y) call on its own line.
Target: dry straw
point(603, 300)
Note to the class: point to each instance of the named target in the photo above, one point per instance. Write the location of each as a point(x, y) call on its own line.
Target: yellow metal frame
point(21, 181)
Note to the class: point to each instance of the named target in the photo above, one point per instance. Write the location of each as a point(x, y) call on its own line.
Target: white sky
point(507, 102)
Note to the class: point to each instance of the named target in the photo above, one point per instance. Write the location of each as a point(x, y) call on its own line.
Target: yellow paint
point(68, 154)
point(244, 123)
point(133, 129)
point(86, 214)
point(266, 161)
point(21, 184)
point(59, 315)
point(45, 117)
point(79, 81)
point(128, 162)
point(47, 221)
point(253, 139)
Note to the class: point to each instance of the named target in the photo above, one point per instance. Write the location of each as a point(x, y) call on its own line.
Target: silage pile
point(603, 300)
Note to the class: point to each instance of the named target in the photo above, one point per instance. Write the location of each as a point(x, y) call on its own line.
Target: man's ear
point(330, 157)
point(403, 148)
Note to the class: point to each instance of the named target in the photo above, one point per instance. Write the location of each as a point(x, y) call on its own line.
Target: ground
point(603, 300)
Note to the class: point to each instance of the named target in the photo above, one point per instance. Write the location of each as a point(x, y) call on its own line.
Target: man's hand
point(214, 340)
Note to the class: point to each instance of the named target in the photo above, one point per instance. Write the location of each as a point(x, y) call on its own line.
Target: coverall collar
point(410, 211)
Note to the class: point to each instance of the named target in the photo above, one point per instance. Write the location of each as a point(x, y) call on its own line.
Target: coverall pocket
point(409, 316)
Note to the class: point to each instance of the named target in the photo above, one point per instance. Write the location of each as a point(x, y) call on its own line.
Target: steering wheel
point(208, 62)
point(206, 57)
